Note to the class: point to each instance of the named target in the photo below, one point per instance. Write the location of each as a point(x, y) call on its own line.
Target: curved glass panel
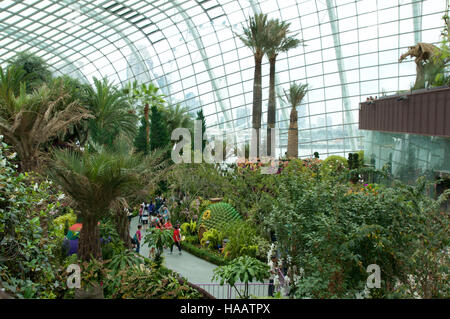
point(189, 50)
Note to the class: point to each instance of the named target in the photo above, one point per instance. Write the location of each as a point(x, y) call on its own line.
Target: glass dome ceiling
point(189, 50)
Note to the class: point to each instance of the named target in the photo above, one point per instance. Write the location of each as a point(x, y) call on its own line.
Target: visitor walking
point(165, 213)
point(141, 210)
point(138, 238)
point(176, 238)
point(168, 225)
point(145, 219)
point(151, 208)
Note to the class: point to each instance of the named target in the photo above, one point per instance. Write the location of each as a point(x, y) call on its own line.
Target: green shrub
point(331, 232)
point(214, 237)
point(243, 239)
point(244, 269)
point(203, 253)
point(192, 239)
point(189, 228)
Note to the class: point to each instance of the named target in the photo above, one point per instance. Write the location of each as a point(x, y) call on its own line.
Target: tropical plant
point(189, 228)
point(113, 114)
point(201, 117)
point(278, 40)
point(329, 232)
point(177, 116)
point(213, 237)
point(28, 121)
point(145, 283)
point(96, 182)
point(29, 254)
point(159, 136)
point(124, 259)
point(143, 97)
point(255, 37)
point(294, 97)
point(244, 240)
point(246, 269)
point(158, 238)
point(36, 69)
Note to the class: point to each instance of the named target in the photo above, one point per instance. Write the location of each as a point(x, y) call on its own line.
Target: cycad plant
point(28, 121)
point(278, 40)
point(113, 113)
point(294, 97)
point(96, 182)
point(255, 37)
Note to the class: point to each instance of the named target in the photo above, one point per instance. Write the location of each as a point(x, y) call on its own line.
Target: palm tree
point(178, 116)
point(98, 182)
point(294, 96)
point(255, 37)
point(113, 113)
point(278, 41)
point(147, 96)
point(28, 121)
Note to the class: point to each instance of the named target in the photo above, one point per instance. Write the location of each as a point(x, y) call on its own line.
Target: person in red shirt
point(168, 225)
point(176, 238)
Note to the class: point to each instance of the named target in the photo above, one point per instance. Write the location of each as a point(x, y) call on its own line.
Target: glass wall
point(408, 155)
point(189, 49)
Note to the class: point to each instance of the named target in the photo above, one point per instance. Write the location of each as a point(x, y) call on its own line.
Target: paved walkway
point(197, 270)
point(194, 269)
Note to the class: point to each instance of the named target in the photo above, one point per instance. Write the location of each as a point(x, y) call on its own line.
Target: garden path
point(194, 269)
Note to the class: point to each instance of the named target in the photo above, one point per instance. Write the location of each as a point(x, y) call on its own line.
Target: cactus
point(218, 215)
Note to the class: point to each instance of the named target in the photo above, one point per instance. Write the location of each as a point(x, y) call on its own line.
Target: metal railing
point(229, 292)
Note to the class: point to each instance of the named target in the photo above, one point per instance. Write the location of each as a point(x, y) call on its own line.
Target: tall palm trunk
point(257, 101)
point(271, 111)
point(146, 111)
point(89, 242)
point(292, 151)
point(123, 227)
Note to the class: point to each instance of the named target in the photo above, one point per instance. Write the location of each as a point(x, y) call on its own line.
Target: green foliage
point(158, 238)
point(189, 228)
point(37, 71)
point(214, 237)
point(218, 215)
point(140, 141)
point(122, 259)
point(62, 221)
point(29, 246)
point(204, 253)
point(244, 269)
point(159, 136)
point(333, 231)
point(145, 283)
point(333, 165)
point(201, 117)
point(113, 113)
point(244, 240)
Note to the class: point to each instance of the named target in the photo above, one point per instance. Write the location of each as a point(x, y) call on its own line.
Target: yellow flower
point(207, 214)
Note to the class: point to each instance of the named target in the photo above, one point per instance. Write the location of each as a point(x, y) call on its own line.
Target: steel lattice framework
point(189, 49)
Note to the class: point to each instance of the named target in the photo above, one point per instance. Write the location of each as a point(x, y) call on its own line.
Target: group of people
point(157, 215)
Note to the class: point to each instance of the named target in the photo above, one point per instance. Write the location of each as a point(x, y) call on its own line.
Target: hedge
point(204, 254)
